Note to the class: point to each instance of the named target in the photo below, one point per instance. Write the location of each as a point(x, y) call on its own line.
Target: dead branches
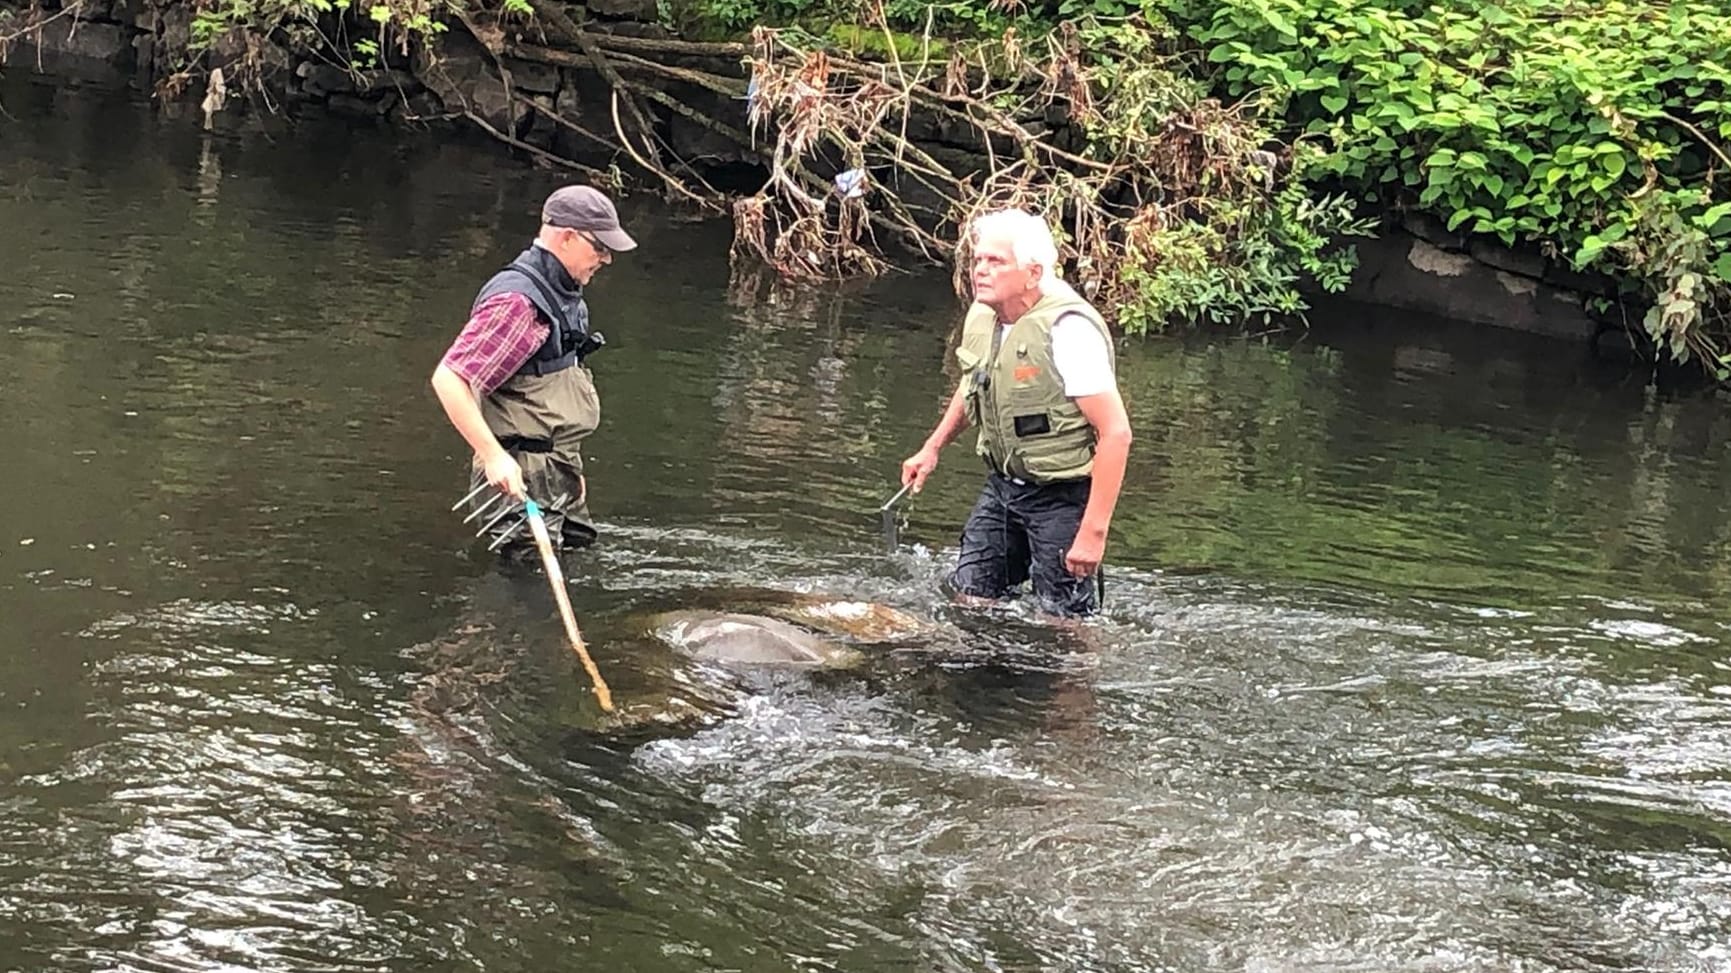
point(34, 23)
point(1161, 196)
point(641, 143)
point(851, 118)
point(1119, 149)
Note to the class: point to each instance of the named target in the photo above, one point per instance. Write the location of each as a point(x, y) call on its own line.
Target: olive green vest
point(1029, 429)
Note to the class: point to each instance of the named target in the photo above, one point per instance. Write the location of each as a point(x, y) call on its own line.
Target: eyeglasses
point(600, 248)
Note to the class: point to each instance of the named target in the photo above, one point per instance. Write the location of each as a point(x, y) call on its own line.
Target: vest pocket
point(1027, 399)
point(1038, 424)
point(972, 383)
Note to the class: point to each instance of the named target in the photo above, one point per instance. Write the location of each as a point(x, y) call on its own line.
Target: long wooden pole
point(556, 578)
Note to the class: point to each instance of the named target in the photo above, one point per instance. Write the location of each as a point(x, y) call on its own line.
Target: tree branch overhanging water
point(1202, 159)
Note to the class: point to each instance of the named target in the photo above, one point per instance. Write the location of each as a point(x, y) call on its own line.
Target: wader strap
point(526, 444)
point(549, 300)
point(548, 304)
point(536, 366)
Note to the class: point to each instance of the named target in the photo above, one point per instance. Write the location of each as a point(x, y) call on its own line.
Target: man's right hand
point(917, 467)
point(504, 474)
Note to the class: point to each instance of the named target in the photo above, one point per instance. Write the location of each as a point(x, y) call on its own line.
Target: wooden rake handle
point(556, 578)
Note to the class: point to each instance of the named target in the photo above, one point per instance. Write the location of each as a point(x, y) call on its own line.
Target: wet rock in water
point(672, 672)
point(738, 638)
point(651, 716)
point(848, 619)
point(734, 629)
point(866, 621)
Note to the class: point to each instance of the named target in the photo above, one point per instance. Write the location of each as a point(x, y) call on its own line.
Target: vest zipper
point(1003, 465)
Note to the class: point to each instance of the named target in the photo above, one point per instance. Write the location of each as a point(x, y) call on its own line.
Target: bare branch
point(536, 151)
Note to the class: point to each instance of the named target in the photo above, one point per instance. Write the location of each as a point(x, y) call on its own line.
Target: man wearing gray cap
point(516, 383)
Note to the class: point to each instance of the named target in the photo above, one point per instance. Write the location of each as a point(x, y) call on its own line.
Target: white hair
point(1030, 239)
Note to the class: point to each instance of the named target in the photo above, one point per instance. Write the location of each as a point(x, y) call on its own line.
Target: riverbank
point(549, 95)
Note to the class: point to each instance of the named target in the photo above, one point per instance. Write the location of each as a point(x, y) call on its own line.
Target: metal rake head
point(505, 517)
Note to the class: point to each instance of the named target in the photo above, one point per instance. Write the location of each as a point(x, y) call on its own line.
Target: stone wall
point(92, 40)
point(533, 102)
point(1419, 265)
point(135, 40)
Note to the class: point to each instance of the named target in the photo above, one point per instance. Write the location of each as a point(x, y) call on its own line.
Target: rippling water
point(1414, 657)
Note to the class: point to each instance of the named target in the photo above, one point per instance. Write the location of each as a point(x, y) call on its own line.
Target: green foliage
point(1593, 129)
point(1177, 208)
point(402, 19)
point(1243, 262)
point(842, 20)
point(1237, 240)
point(858, 39)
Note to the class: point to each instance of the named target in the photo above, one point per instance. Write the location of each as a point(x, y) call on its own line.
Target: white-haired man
point(1038, 381)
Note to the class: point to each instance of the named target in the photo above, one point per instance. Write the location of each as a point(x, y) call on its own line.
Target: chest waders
point(543, 412)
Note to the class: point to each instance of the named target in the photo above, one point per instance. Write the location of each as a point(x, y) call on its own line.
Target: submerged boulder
point(739, 638)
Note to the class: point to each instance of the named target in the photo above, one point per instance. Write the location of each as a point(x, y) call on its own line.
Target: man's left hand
point(1085, 553)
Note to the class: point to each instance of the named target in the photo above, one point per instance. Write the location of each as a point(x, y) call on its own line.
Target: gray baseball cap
point(585, 208)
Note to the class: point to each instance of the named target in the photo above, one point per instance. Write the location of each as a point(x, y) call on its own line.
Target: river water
point(1414, 657)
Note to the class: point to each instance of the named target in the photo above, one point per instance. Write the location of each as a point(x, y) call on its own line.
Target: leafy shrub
point(1592, 129)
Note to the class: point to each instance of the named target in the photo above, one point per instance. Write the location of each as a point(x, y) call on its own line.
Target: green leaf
point(1714, 214)
point(1227, 52)
point(1334, 103)
point(1615, 165)
point(1722, 267)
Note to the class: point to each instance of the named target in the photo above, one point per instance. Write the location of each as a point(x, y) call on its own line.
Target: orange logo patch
point(1026, 372)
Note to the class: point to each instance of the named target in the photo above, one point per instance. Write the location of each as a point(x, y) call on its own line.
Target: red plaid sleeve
point(502, 334)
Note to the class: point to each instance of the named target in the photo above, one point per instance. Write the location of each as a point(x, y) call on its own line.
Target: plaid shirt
point(504, 332)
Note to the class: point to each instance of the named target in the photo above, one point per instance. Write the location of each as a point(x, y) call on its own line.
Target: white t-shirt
point(1080, 356)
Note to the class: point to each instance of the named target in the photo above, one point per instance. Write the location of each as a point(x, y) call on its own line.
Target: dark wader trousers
point(1020, 532)
point(542, 420)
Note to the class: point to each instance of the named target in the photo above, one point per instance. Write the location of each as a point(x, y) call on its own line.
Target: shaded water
point(1414, 657)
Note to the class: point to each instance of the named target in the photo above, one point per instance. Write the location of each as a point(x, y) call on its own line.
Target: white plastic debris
point(851, 184)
